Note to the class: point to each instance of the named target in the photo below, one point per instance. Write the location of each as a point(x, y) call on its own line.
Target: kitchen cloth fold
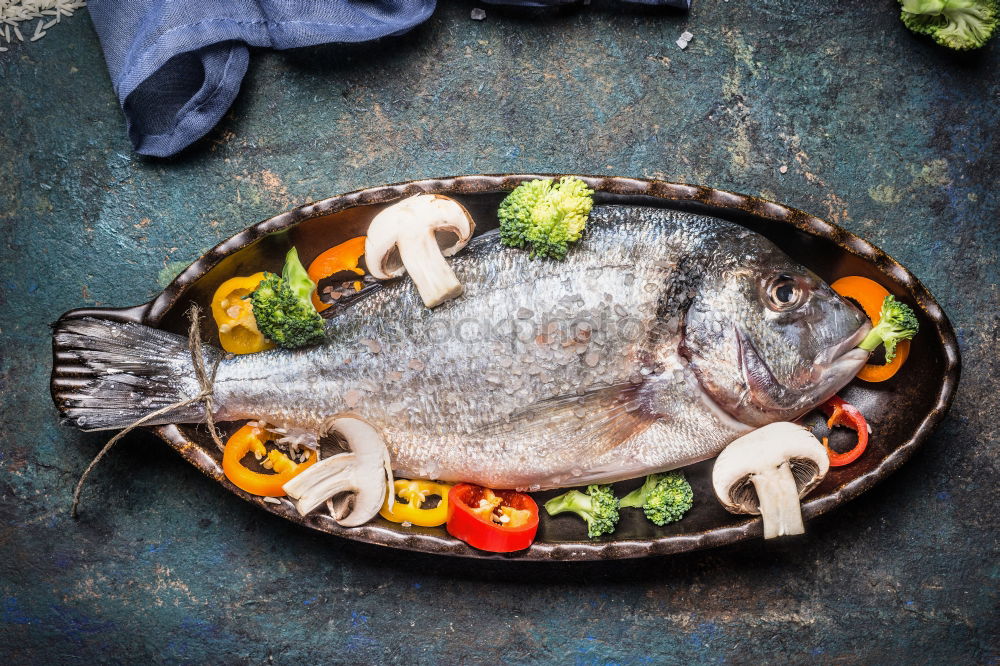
point(177, 65)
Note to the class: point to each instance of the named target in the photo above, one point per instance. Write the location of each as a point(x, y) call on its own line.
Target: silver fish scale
point(467, 391)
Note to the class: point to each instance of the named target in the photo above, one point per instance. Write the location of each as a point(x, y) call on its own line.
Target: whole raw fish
point(662, 337)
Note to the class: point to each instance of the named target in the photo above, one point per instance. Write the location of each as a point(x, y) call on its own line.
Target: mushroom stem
point(435, 280)
point(327, 480)
point(778, 495)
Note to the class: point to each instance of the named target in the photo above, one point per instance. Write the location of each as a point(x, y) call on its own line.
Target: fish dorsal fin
point(579, 426)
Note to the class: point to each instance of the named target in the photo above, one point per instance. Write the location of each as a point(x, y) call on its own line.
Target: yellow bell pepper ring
point(233, 314)
point(251, 439)
point(410, 496)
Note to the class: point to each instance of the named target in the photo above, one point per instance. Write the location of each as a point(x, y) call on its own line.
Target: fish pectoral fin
point(581, 426)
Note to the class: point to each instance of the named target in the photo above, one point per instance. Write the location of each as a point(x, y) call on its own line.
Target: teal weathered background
point(880, 131)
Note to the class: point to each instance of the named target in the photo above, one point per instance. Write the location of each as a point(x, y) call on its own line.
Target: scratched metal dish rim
point(777, 221)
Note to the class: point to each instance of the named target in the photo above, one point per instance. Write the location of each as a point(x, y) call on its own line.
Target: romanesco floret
point(545, 215)
point(957, 24)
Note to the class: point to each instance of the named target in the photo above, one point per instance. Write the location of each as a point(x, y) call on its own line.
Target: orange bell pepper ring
point(870, 295)
point(251, 439)
point(343, 257)
point(233, 314)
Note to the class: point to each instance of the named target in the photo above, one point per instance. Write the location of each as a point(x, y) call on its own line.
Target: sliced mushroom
point(414, 236)
point(364, 471)
point(767, 471)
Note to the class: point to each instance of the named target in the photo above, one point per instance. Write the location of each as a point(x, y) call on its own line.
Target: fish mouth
point(832, 368)
point(844, 350)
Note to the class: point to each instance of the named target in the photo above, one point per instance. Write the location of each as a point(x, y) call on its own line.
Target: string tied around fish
point(206, 381)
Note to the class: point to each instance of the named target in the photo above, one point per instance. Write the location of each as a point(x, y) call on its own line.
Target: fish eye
point(784, 293)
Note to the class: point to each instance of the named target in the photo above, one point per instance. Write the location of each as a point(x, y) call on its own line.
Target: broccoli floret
point(598, 506)
point(896, 322)
point(545, 215)
point(957, 24)
point(282, 306)
point(664, 498)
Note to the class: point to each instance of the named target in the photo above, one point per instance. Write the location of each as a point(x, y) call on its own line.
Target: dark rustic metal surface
point(879, 131)
point(903, 411)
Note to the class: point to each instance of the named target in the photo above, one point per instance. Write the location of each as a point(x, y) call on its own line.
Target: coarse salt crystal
point(352, 398)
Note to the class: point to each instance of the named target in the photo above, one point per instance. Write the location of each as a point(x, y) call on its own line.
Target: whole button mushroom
point(766, 472)
point(414, 236)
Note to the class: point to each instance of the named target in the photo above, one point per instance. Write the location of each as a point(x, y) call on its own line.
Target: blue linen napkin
point(177, 65)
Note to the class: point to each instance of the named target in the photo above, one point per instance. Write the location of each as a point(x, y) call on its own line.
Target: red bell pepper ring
point(498, 521)
point(846, 414)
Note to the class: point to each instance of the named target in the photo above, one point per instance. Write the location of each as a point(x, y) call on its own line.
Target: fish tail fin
point(108, 374)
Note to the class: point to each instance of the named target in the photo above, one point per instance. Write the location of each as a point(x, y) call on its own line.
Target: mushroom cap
point(420, 215)
point(762, 450)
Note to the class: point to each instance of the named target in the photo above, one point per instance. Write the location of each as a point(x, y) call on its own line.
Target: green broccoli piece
point(282, 306)
point(598, 506)
point(957, 24)
point(545, 215)
point(896, 322)
point(664, 498)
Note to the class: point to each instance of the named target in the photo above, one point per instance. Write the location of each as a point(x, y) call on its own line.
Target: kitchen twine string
point(205, 381)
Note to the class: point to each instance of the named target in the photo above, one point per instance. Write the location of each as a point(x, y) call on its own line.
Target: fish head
point(767, 339)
